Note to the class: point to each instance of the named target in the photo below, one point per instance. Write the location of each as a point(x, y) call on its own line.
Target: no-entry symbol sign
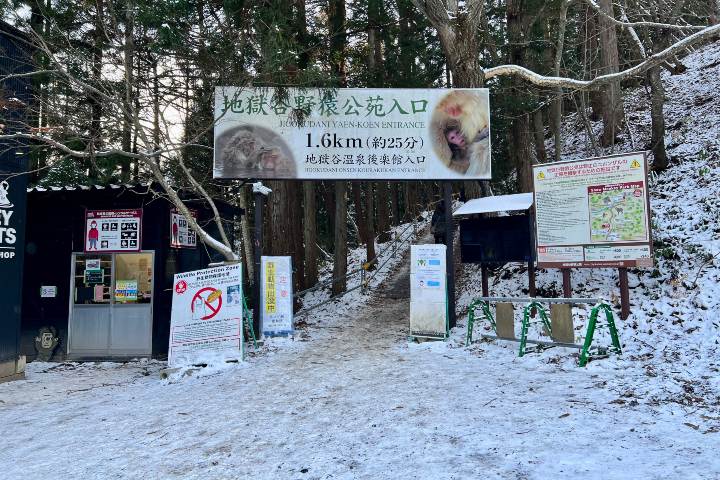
point(206, 303)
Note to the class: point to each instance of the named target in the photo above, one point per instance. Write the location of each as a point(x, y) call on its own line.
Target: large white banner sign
point(206, 318)
point(593, 212)
point(428, 294)
point(276, 296)
point(352, 133)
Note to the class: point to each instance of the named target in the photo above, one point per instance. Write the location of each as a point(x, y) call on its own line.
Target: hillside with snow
point(350, 398)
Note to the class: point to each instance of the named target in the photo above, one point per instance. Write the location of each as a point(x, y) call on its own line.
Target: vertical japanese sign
point(428, 291)
point(181, 235)
point(113, 230)
point(276, 293)
point(206, 319)
point(361, 133)
point(593, 212)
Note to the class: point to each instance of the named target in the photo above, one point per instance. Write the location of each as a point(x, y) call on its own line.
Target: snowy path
point(354, 401)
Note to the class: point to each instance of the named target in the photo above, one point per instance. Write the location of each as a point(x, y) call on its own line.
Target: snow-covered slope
point(674, 326)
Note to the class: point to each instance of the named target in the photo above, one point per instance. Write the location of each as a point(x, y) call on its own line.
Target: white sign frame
point(277, 293)
point(352, 133)
point(428, 291)
point(206, 327)
point(580, 206)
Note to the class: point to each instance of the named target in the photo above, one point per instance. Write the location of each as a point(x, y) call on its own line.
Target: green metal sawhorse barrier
point(248, 324)
point(483, 304)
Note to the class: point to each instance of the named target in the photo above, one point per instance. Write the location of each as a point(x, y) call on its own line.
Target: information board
point(277, 298)
point(181, 235)
point(593, 212)
point(206, 317)
point(428, 291)
point(352, 133)
point(113, 230)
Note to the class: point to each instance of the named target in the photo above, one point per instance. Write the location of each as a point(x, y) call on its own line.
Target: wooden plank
point(562, 323)
point(505, 320)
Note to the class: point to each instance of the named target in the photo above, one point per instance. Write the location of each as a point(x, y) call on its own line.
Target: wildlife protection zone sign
point(593, 213)
point(346, 133)
point(206, 318)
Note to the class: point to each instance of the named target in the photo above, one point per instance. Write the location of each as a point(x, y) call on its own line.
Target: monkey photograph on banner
point(352, 133)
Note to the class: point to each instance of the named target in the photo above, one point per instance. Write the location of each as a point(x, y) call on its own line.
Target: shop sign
point(593, 212)
point(352, 133)
point(206, 317)
point(181, 234)
point(428, 292)
point(113, 230)
point(126, 291)
point(48, 291)
point(276, 296)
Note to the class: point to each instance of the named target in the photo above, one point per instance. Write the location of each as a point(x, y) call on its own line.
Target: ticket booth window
point(133, 278)
point(93, 279)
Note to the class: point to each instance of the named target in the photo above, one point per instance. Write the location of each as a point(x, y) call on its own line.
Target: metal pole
point(567, 287)
point(484, 280)
point(624, 293)
point(259, 204)
point(450, 257)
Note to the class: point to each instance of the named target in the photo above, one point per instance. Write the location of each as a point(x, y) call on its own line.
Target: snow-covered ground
point(351, 398)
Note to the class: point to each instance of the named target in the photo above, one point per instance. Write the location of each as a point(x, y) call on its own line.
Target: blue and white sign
point(428, 292)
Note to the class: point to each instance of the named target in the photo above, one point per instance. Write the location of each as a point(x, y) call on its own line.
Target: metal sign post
point(450, 257)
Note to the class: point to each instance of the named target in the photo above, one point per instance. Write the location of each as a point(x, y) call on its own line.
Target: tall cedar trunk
point(383, 214)
point(592, 62)
point(340, 266)
point(556, 107)
point(520, 141)
point(128, 107)
point(394, 203)
point(657, 92)
point(539, 136)
point(360, 217)
point(156, 108)
point(338, 43)
point(310, 233)
point(370, 223)
point(409, 192)
point(245, 234)
point(612, 104)
point(94, 100)
point(405, 40)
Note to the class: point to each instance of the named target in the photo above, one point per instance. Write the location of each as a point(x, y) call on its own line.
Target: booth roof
point(497, 203)
point(68, 188)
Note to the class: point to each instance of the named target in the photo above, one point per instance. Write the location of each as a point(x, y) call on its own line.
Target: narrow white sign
point(277, 296)
point(428, 294)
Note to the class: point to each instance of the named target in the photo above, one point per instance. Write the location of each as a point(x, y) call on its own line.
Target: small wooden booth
point(99, 266)
point(497, 230)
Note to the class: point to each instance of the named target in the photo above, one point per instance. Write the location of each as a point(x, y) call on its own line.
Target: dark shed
point(91, 310)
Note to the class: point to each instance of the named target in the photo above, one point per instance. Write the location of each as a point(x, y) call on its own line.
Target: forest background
point(124, 93)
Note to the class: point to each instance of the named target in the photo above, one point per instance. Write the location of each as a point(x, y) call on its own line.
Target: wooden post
point(259, 203)
point(531, 278)
point(450, 257)
point(567, 287)
point(624, 293)
point(484, 276)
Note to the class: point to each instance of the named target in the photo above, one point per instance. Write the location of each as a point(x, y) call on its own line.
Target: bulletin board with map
point(593, 212)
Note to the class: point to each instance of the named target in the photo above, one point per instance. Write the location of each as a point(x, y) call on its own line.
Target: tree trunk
point(592, 66)
point(340, 266)
point(522, 152)
point(394, 207)
point(246, 235)
point(539, 136)
point(383, 215)
point(370, 224)
point(360, 217)
point(612, 104)
point(657, 92)
point(310, 233)
point(128, 107)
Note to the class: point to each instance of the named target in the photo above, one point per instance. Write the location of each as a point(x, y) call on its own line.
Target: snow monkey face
point(271, 158)
point(455, 137)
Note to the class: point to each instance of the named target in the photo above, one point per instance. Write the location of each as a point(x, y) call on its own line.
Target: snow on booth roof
point(497, 203)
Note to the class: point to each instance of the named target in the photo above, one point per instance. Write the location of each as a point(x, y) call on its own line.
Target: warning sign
point(206, 319)
point(593, 212)
point(276, 314)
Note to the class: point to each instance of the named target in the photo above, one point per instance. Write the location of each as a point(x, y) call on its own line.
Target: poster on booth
point(113, 230)
point(593, 212)
point(206, 317)
point(276, 296)
point(428, 293)
point(352, 133)
point(181, 235)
